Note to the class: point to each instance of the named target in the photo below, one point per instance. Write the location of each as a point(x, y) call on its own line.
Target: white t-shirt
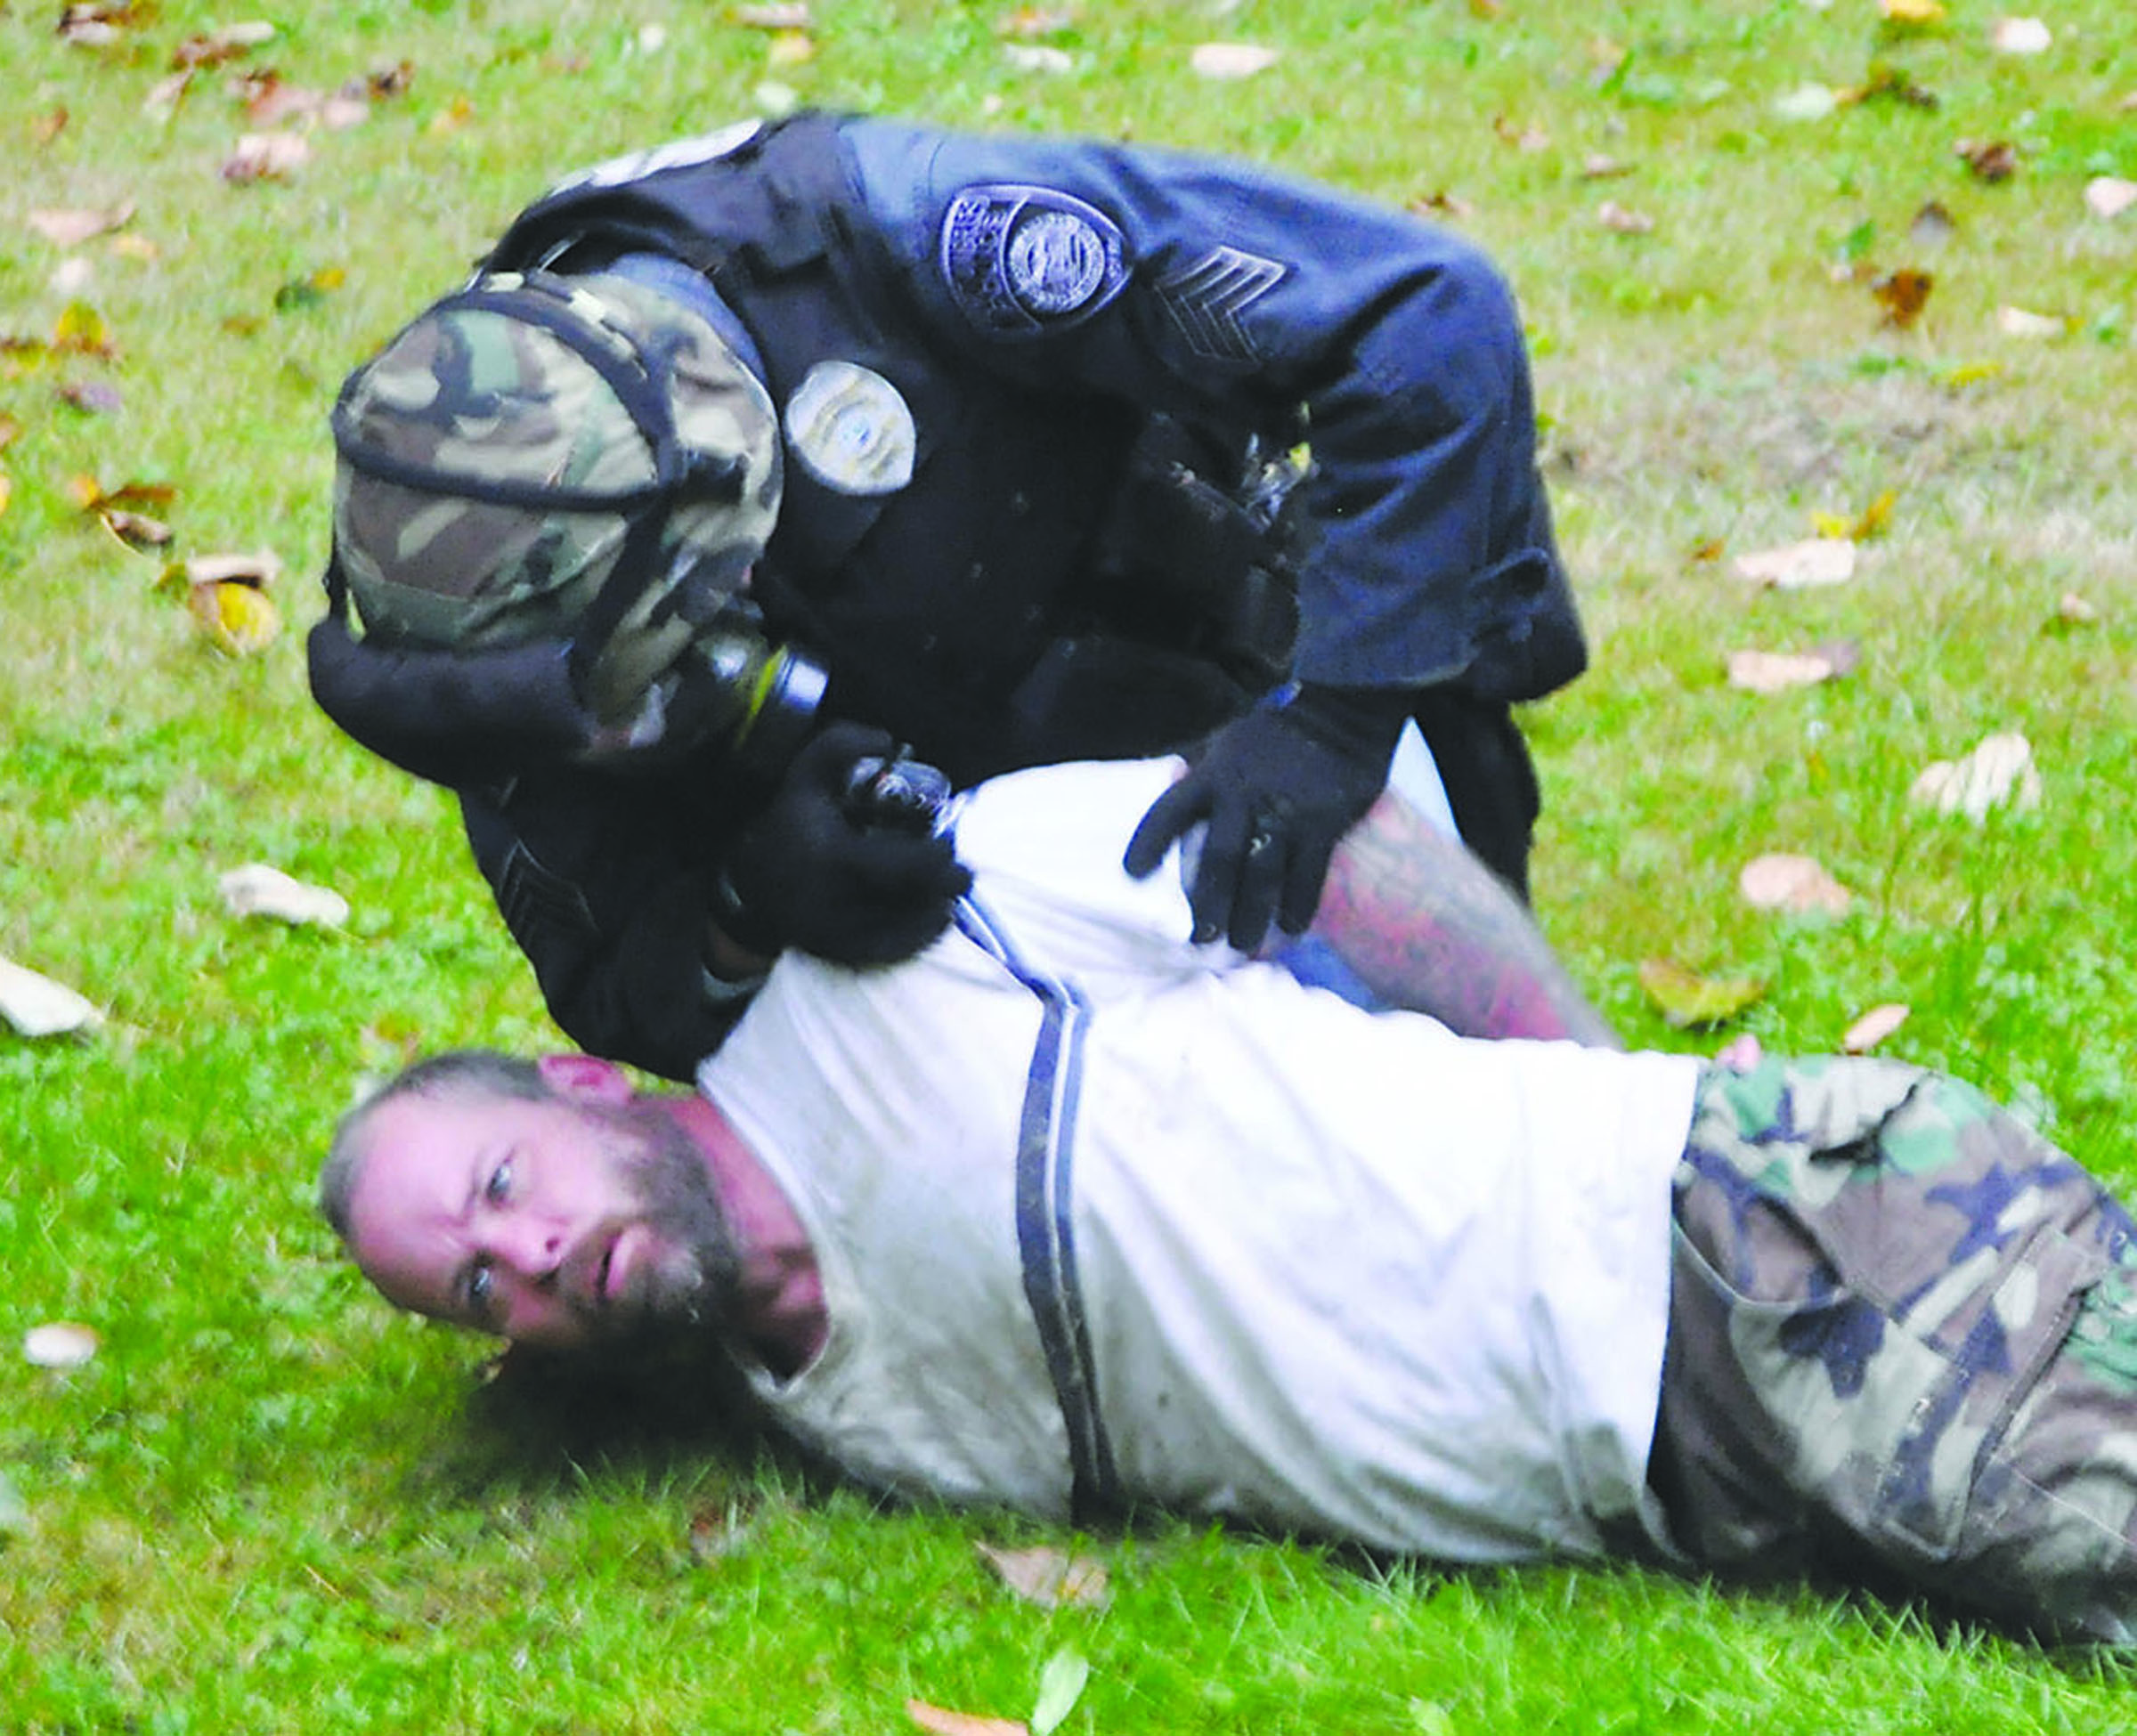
point(1099, 1212)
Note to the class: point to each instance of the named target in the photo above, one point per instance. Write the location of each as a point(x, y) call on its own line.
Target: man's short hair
point(464, 1072)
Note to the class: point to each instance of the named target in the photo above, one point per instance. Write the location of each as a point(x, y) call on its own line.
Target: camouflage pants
point(1902, 1346)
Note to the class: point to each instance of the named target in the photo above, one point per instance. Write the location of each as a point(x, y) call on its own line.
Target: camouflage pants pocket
point(1874, 1270)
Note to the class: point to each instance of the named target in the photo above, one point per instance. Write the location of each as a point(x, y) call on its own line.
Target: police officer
point(1009, 449)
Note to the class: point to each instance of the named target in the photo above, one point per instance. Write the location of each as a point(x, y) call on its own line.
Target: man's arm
point(1427, 926)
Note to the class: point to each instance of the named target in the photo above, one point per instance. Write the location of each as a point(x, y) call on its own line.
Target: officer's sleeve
point(1209, 287)
point(606, 896)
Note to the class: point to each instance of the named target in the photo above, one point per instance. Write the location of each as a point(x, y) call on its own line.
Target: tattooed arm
point(1427, 926)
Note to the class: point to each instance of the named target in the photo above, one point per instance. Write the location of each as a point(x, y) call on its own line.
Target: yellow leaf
point(1684, 998)
point(1912, 11)
point(239, 618)
point(80, 330)
point(7, 488)
point(790, 48)
point(1829, 524)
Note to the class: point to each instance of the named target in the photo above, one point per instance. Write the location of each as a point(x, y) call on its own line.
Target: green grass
point(267, 1504)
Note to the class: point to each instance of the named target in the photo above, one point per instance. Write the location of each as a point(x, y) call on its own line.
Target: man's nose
point(530, 1247)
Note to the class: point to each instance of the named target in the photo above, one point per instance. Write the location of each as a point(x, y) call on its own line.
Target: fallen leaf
point(1600, 167)
point(81, 330)
point(390, 80)
point(70, 229)
point(2074, 610)
point(99, 23)
point(239, 616)
point(1797, 884)
point(1521, 138)
point(1801, 565)
point(1231, 60)
point(1999, 770)
point(1029, 23)
point(455, 115)
point(1807, 102)
point(165, 94)
point(93, 497)
point(1873, 1027)
point(7, 490)
point(1049, 1578)
point(1687, 998)
point(48, 126)
point(773, 16)
point(266, 157)
point(1619, 221)
point(1775, 671)
point(72, 276)
point(1961, 374)
point(1441, 203)
point(231, 42)
point(137, 530)
point(1990, 160)
point(1903, 294)
point(1912, 11)
point(942, 1723)
point(1932, 226)
point(39, 1007)
point(59, 1344)
point(1038, 57)
point(91, 397)
point(790, 48)
point(1061, 1686)
point(2020, 322)
point(2107, 196)
point(1887, 83)
point(2019, 35)
point(716, 1533)
point(258, 889)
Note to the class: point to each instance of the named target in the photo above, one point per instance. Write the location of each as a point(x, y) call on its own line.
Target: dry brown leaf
point(2022, 322)
point(794, 17)
point(1038, 57)
point(39, 1007)
point(1049, 1578)
point(1602, 168)
point(59, 1344)
point(99, 23)
point(1621, 221)
point(137, 530)
point(48, 126)
point(944, 1722)
point(1801, 565)
point(1903, 294)
point(1932, 226)
point(1873, 1027)
point(1232, 60)
point(1776, 671)
point(2108, 195)
point(266, 157)
point(2074, 610)
point(231, 41)
point(1990, 160)
point(1689, 1000)
point(1998, 771)
point(1441, 203)
point(2019, 35)
point(1797, 884)
point(258, 889)
point(1521, 138)
point(70, 229)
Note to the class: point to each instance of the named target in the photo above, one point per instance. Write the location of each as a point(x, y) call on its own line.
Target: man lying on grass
point(1072, 1215)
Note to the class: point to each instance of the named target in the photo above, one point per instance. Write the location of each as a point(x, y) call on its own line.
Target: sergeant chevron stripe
point(1206, 299)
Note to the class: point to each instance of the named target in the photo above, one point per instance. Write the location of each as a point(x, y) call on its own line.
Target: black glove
point(814, 871)
point(1278, 787)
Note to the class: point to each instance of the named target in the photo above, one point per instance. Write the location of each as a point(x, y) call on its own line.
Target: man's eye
point(482, 1289)
point(498, 1187)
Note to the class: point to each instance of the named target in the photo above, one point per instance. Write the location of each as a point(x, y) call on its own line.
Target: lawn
point(265, 1504)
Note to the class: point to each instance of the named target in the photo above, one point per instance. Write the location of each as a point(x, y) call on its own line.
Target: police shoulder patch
point(1019, 260)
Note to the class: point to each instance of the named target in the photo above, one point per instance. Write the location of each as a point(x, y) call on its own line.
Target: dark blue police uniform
point(970, 340)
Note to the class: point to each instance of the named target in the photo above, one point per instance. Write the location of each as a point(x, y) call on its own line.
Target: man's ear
point(585, 1077)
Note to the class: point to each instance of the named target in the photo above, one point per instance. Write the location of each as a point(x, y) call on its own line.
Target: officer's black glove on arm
point(1278, 787)
point(811, 873)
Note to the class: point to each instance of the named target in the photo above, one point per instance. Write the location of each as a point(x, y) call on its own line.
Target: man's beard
point(689, 1291)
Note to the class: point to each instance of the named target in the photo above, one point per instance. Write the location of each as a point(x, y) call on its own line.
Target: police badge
point(1019, 260)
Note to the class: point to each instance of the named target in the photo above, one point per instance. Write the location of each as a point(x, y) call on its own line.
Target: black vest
point(954, 610)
